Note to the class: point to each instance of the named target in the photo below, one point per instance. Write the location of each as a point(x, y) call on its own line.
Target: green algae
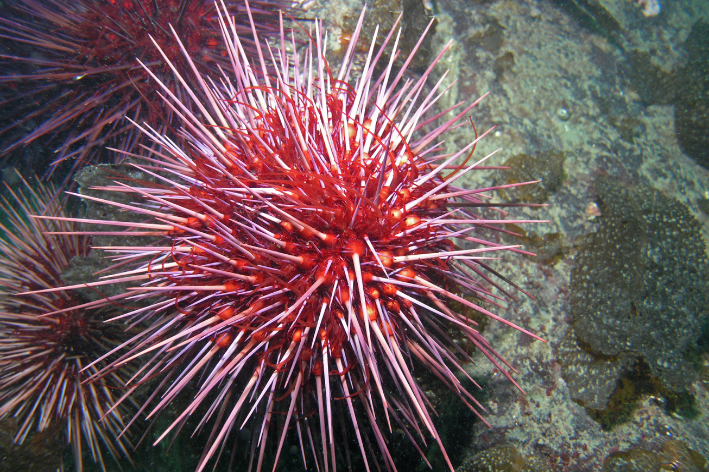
point(548, 249)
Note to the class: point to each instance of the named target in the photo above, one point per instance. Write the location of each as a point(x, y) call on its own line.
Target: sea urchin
point(71, 66)
point(311, 256)
point(46, 344)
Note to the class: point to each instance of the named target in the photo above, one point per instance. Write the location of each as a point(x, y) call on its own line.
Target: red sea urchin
point(71, 66)
point(45, 345)
point(310, 254)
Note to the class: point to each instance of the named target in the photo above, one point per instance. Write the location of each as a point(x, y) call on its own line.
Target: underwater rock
point(686, 87)
point(612, 388)
point(610, 18)
point(503, 64)
point(594, 15)
point(548, 249)
point(703, 204)
point(504, 458)
point(653, 85)
point(41, 451)
point(490, 37)
point(640, 285)
point(546, 166)
point(692, 102)
point(675, 456)
point(591, 379)
point(414, 20)
point(91, 177)
point(83, 269)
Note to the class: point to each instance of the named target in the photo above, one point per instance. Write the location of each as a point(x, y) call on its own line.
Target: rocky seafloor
point(608, 107)
point(622, 281)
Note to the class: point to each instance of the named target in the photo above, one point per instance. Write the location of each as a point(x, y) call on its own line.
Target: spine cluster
point(316, 249)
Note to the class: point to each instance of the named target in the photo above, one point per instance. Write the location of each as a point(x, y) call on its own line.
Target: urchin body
point(310, 252)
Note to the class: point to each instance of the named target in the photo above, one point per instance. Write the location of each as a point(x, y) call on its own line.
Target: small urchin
point(69, 73)
point(48, 341)
point(311, 253)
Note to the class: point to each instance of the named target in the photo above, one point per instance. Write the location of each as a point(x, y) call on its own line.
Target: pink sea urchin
point(71, 66)
point(45, 344)
point(312, 258)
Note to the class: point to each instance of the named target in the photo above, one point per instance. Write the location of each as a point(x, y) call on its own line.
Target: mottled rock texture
point(692, 102)
point(504, 458)
point(640, 286)
point(674, 456)
point(546, 166)
point(591, 379)
point(82, 269)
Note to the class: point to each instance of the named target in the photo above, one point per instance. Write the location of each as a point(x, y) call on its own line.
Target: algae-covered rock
point(40, 452)
point(692, 102)
point(594, 15)
point(686, 87)
point(489, 34)
point(634, 460)
point(503, 458)
point(545, 166)
point(82, 269)
point(640, 285)
point(591, 379)
point(675, 456)
point(703, 204)
point(548, 249)
point(653, 85)
point(414, 20)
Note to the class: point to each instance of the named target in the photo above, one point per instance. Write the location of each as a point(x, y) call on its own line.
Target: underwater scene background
point(606, 102)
